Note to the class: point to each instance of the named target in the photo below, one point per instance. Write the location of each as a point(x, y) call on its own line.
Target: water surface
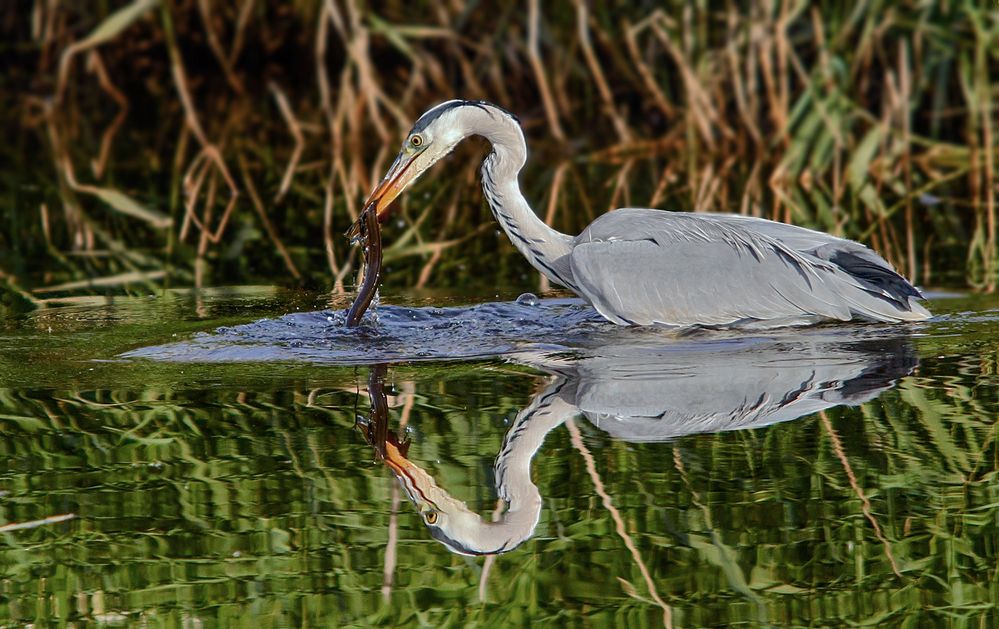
point(234, 458)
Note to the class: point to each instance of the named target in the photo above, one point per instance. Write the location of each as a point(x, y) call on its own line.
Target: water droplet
point(528, 299)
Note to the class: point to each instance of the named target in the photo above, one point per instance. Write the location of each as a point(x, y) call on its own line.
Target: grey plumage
point(655, 391)
point(641, 266)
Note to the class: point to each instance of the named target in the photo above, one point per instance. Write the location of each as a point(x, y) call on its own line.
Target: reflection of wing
point(654, 392)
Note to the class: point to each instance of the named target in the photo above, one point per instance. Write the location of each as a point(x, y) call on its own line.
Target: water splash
point(396, 334)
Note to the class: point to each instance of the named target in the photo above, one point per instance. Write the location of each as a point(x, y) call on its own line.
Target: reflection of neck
point(522, 441)
point(464, 531)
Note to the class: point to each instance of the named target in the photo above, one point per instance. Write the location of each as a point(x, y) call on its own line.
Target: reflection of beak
point(394, 182)
point(414, 479)
point(395, 459)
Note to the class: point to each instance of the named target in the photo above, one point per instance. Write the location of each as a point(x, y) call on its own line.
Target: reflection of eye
point(416, 140)
point(431, 517)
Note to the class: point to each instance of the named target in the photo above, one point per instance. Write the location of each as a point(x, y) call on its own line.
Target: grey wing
point(643, 282)
point(642, 267)
point(798, 238)
point(638, 393)
point(852, 257)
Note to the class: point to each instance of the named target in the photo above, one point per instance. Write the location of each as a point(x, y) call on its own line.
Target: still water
point(212, 460)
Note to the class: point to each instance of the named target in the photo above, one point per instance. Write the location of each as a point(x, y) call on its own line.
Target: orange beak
point(395, 181)
point(391, 186)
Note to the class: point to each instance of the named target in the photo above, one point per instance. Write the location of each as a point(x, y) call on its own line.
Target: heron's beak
point(395, 181)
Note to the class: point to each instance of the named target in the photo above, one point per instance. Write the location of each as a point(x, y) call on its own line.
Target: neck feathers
point(545, 248)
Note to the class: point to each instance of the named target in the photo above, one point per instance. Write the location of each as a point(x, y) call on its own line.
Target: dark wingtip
point(883, 281)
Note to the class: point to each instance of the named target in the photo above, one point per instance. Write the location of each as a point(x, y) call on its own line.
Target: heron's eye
point(431, 517)
point(416, 141)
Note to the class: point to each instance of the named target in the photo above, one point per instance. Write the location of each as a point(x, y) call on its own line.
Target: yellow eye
point(416, 141)
point(431, 517)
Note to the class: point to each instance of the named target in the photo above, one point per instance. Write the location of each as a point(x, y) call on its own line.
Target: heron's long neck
point(545, 248)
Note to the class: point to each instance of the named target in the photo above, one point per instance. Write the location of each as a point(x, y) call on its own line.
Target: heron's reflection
point(645, 391)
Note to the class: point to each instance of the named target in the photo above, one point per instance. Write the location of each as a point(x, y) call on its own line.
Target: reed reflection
point(643, 392)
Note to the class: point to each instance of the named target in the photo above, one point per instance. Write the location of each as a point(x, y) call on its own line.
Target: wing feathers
point(649, 266)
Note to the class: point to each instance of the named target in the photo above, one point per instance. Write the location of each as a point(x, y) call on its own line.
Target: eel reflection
point(642, 393)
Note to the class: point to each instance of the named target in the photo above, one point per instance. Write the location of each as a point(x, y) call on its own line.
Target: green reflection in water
point(230, 495)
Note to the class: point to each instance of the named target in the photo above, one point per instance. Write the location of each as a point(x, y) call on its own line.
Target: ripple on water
point(397, 334)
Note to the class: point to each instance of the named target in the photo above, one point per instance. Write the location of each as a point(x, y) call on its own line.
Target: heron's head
point(451, 522)
point(434, 135)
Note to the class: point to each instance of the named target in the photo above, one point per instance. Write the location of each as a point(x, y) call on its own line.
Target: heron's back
point(642, 266)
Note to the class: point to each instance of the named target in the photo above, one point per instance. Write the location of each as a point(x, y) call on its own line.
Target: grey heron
point(640, 266)
point(645, 392)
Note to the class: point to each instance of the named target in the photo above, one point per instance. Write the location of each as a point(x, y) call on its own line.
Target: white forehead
point(444, 118)
point(435, 115)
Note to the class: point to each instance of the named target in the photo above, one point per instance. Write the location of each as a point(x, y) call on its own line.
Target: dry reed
point(876, 124)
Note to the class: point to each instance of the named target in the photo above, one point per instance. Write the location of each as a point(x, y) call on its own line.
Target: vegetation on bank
point(188, 142)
